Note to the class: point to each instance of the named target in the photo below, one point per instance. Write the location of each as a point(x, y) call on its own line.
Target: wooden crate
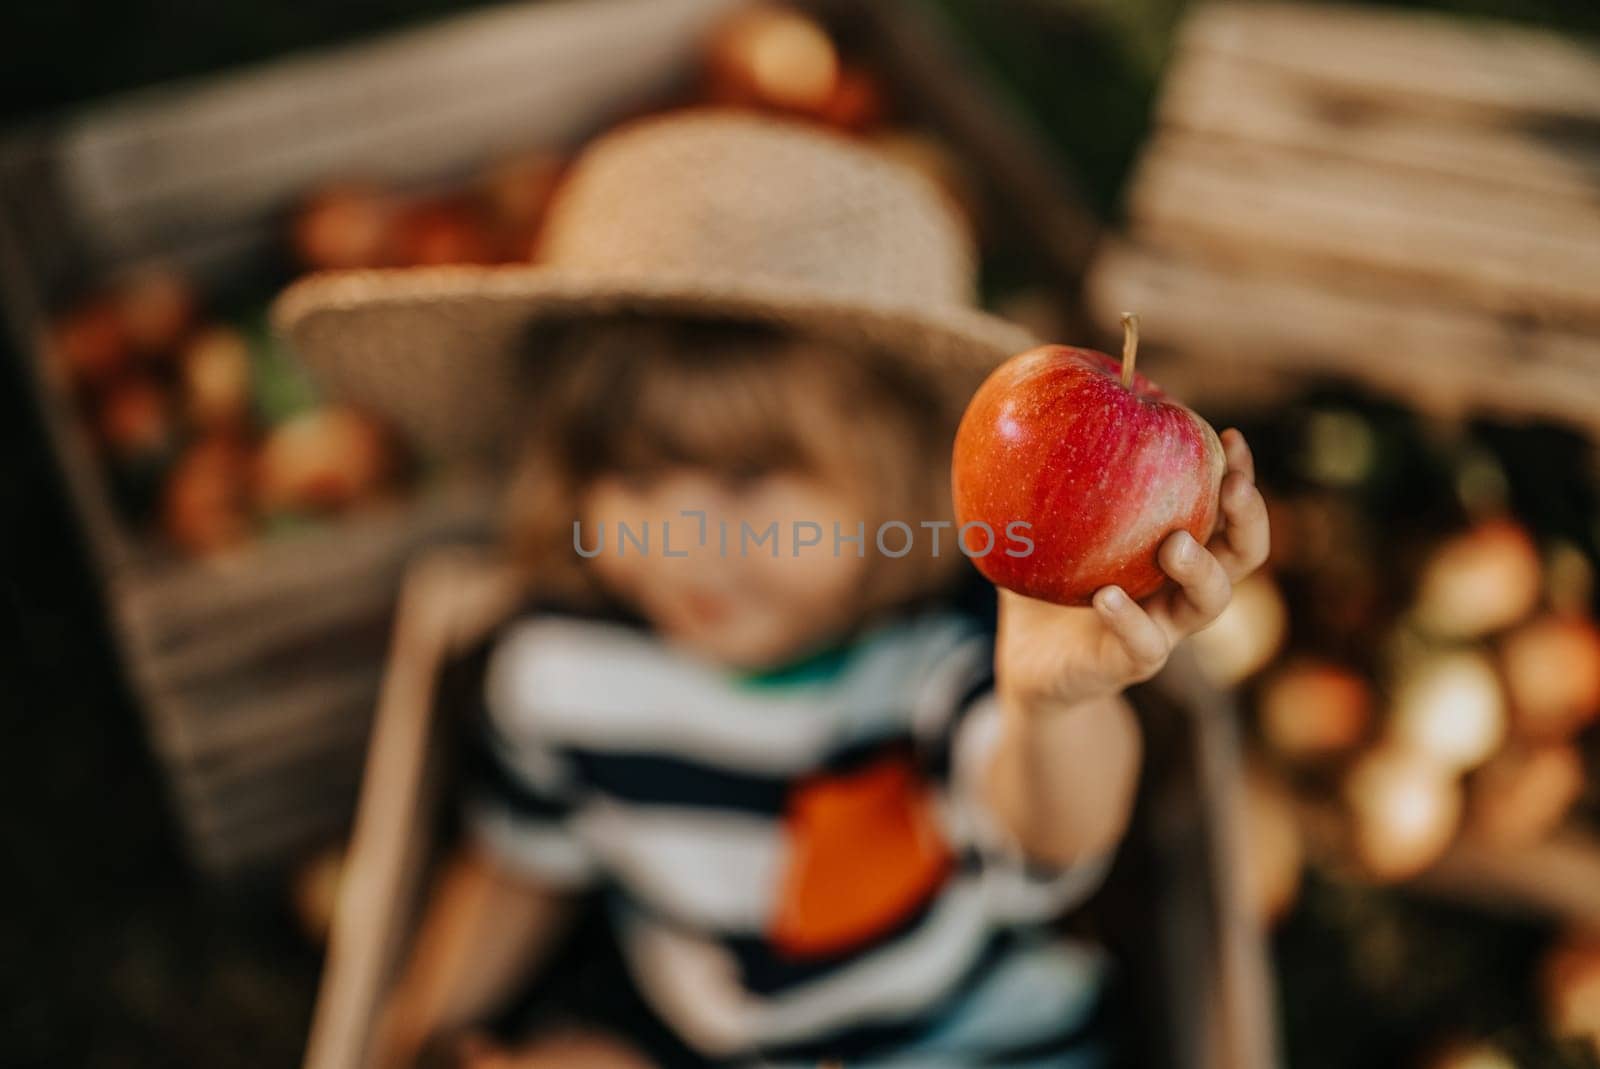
point(1177, 896)
point(257, 673)
point(1404, 200)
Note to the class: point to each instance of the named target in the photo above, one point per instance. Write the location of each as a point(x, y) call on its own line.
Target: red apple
point(214, 376)
point(1524, 793)
point(135, 420)
point(345, 227)
point(1311, 710)
point(1552, 673)
point(773, 57)
point(1480, 581)
point(1448, 706)
point(1247, 636)
point(205, 509)
point(324, 461)
point(444, 231)
point(1404, 808)
point(90, 342)
point(856, 103)
point(1098, 462)
point(157, 305)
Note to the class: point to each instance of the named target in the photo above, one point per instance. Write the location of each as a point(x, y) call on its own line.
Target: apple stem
point(1130, 347)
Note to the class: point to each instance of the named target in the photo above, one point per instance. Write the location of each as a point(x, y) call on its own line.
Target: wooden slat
point(230, 604)
point(1441, 358)
point(1242, 1036)
point(271, 843)
point(447, 602)
point(294, 710)
point(1558, 878)
point(1346, 221)
point(1212, 96)
point(208, 158)
point(325, 786)
point(1450, 62)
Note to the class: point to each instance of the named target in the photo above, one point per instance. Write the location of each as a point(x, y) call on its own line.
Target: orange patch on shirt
point(865, 851)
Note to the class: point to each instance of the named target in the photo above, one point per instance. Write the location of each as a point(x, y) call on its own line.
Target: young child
point(833, 817)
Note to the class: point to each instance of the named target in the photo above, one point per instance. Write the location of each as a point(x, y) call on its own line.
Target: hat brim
point(435, 350)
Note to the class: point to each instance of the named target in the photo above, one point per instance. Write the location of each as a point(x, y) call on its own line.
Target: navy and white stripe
point(613, 760)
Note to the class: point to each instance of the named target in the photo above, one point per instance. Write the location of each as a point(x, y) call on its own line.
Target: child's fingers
point(1140, 644)
point(1237, 450)
point(1204, 587)
point(1246, 535)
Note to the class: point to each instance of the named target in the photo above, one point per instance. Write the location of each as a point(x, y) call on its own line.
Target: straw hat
point(696, 214)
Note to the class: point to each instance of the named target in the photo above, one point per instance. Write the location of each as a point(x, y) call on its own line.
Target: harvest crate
point(1406, 200)
point(256, 673)
point(1397, 201)
point(1175, 908)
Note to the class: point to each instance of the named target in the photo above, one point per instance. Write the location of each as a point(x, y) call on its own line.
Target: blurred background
point(1368, 235)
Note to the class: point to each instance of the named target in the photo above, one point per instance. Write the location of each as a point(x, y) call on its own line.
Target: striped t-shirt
point(801, 864)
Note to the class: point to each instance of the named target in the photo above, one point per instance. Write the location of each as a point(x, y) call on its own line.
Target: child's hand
point(1050, 656)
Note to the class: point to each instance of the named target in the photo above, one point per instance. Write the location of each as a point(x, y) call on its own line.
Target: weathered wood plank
point(1450, 61)
point(1211, 96)
point(1502, 250)
point(1443, 358)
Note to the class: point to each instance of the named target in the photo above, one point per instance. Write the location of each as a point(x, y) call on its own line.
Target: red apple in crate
point(205, 509)
point(445, 231)
point(344, 227)
point(324, 461)
point(158, 306)
point(770, 56)
point(1480, 581)
point(1101, 464)
point(1552, 674)
point(857, 101)
point(1312, 710)
point(1524, 793)
point(135, 420)
point(214, 377)
point(90, 342)
point(1404, 808)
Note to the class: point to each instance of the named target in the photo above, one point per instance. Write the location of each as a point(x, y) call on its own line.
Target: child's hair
point(632, 394)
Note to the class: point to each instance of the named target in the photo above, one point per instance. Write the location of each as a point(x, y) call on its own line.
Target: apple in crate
point(770, 56)
point(89, 342)
point(214, 378)
point(205, 508)
point(157, 305)
point(1097, 461)
point(343, 227)
point(325, 460)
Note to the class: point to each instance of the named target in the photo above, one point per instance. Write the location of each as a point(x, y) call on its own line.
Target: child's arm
point(1061, 778)
point(483, 929)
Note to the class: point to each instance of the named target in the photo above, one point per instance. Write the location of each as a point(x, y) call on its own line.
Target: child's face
point(728, 596)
